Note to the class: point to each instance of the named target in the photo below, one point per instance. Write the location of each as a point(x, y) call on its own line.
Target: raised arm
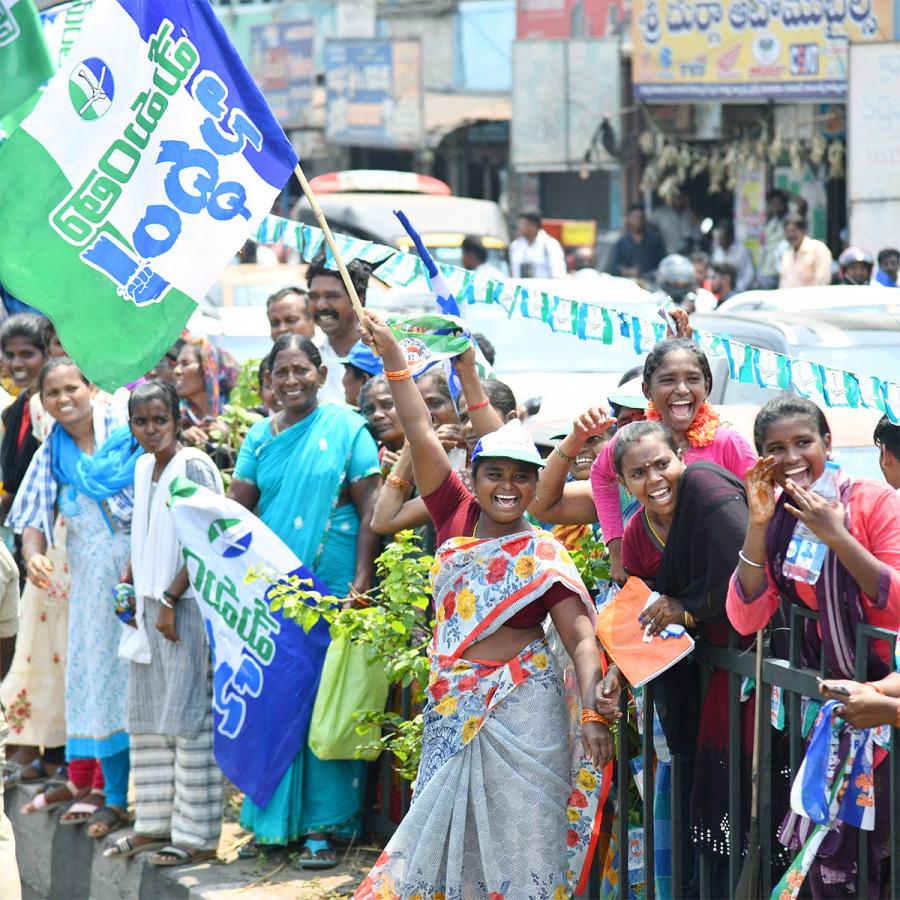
point(557, 502)
point(430, 462)
point(482, 415)
point(395, 508)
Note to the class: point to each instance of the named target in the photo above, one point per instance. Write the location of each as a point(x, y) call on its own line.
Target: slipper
point(170, 856)
point(54, 795)
point(84, 809)
point(125, 847)
point(314, 861)
point(36, 772)
point(106, 820)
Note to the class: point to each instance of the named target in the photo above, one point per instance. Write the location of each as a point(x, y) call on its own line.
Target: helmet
point(676, 276)
point(851, 256)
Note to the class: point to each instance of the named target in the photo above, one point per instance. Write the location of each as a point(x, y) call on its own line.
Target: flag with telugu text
point(266, 668)
point(25, 62)
point(148, 161)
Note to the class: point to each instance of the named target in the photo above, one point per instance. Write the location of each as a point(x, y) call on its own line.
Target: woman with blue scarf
point(85, 471)
point(311, 473)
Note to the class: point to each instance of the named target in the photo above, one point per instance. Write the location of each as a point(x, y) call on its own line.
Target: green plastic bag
point(350, 683)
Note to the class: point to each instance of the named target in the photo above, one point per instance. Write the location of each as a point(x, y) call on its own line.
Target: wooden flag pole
point(329, 237)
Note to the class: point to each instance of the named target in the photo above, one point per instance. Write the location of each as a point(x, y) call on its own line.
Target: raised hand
point(760, 484)
point(593, 422)
point(823, 518)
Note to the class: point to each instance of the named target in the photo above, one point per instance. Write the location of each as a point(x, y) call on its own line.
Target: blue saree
point(301, 474)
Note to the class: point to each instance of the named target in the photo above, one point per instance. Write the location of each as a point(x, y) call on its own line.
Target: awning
point(445, 112)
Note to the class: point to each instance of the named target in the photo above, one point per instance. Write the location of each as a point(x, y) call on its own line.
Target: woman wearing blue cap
point(360, 364)
point(495, 812)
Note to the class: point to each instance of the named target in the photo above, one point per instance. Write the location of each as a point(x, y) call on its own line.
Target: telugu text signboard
point(741, 51)
point(282, 63)
point(374, 90)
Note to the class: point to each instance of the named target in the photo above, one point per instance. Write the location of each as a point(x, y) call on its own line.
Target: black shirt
point(628, 253)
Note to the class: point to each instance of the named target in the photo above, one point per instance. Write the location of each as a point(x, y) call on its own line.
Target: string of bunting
point(826, 386)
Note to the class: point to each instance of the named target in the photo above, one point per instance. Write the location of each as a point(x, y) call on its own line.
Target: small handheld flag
point(25, 62)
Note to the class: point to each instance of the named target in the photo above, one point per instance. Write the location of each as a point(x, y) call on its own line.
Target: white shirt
point(544, 256)
point(333, 389)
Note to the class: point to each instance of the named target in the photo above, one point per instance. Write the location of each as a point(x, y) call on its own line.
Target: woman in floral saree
point(495, 812)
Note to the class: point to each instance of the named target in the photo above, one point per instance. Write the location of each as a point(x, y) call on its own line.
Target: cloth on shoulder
point(155, 550)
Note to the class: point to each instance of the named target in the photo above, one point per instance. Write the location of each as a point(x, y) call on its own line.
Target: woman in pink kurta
point(859, 584)
point(677, 381)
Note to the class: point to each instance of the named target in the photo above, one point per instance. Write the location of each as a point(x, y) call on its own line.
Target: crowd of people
point(348, 449)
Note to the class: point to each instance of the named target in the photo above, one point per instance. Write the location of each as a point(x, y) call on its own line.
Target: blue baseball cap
point(363, 358)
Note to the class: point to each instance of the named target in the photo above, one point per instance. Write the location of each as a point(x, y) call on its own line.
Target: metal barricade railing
point(787, 676)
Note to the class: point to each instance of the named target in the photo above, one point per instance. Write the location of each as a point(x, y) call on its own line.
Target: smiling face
point(24, 361)
point(505, 488)
point(330, 306)
point(799, 450)
point(581, 468)
point(678, 389)
point(296, 382)
point(153, 426)
point(382, 417)
point(290, 315)
point(66, 396)
point(651, 470)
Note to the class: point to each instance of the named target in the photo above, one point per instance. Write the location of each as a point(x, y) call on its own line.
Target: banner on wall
point(741, 51)
point(374, 93)
point(281, 60)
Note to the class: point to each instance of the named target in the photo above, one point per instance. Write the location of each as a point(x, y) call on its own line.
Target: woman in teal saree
point(311, 473)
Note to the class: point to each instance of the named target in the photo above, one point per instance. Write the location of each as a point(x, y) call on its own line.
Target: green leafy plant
point(238, 416)
point(592, 561)
point(389, 621)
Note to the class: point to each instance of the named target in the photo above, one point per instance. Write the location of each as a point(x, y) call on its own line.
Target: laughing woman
point(85, 470)
point(495, 813)
point(859, 584)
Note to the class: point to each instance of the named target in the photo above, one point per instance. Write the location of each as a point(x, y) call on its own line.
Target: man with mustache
point(332, 311)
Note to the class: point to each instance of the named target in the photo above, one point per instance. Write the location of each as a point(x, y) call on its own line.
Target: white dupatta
point(155, 552)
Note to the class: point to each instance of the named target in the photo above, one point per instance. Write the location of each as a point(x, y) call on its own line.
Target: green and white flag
point(148, 160)
point(25, 62)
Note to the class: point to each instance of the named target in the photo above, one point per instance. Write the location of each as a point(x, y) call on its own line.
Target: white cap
point(511, 441)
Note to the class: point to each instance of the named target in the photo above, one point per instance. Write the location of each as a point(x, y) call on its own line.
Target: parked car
point(865, 343)
point(361, 203)
point(855, 297)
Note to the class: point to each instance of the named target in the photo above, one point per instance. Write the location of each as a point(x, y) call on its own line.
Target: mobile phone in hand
point(666, 316)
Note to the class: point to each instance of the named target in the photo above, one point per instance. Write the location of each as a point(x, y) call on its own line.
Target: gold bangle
point(591, 715)
point(399, 483)
point(398, 374)
point(565, 456)
point(689, 621)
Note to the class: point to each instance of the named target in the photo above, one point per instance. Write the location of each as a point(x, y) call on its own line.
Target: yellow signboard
point(750, 49)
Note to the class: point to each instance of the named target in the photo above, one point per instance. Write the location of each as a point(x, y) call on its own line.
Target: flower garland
point(703, 429)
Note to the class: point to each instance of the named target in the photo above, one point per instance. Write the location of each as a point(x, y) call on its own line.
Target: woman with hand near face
point(178, 786)
point(684, 544)
point(859, 583)
point(496, 702)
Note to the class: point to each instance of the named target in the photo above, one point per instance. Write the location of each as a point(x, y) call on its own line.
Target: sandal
point(80, 812)
point(170, 856)
point(316, 860)
point(125, 847)
point(106, 820)
point(54, 795)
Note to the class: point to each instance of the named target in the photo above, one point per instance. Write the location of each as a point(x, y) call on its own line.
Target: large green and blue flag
point(149, 159)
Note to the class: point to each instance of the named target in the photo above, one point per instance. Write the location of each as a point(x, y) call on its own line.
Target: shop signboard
point(562, 91)
point(736, 50)
point(281, 60)
point(374, 93)
point(570, 18)
point(873, 161)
